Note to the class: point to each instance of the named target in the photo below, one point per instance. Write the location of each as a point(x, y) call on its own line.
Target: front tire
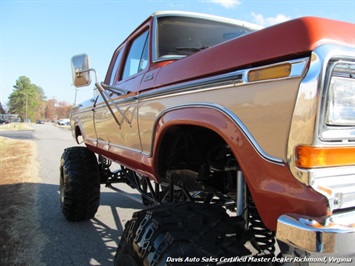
point(79, 184)
point(184, 230)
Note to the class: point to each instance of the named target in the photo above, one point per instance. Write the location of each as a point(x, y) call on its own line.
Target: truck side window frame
point(114, 75)
point(137, 58)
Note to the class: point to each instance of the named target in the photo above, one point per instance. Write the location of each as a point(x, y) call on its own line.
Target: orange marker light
point(313, 157)
point(273, 72)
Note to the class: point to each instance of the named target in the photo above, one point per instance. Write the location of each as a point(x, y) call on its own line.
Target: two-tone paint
point(211, 89)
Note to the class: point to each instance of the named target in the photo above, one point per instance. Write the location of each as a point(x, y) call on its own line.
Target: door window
point(137, 59)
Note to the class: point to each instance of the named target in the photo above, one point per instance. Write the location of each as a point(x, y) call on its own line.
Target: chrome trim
point(338, 134)
point(340, 192)
point(306, 233)
point(233, 117)
point(235, 78)
point(337, 184)
point(232, 79)
point(241, 194)
point(109, 144)
point(298, 68)
point(91, 139)
point(328, 53)
point(206, 17)
point(160, 14)
point(225, 80)
point(334, 133)
point(114, 89)
point(212, 106)
point(309, 108)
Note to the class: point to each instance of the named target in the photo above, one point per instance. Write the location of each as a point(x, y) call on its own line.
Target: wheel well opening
point(78, 136)
point(197, 158)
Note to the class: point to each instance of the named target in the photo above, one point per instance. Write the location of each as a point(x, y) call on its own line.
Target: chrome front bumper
point(309, 235)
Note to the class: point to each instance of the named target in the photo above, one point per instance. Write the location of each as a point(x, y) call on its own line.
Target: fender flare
point(214, 117)
point(274, 189)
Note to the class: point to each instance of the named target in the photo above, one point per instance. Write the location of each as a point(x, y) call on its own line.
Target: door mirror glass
point(80, 70)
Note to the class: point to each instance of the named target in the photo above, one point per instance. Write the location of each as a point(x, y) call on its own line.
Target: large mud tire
point(181, 230)
point(79, 184)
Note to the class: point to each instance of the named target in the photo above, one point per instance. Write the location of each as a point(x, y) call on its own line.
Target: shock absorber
point(105, 172)
point(263, 239)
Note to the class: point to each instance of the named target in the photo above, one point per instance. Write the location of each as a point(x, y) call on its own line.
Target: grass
point(20, 235)
point(15, 160)
point(5, 144)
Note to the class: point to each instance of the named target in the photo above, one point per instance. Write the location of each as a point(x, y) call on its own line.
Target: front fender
point(274, 189)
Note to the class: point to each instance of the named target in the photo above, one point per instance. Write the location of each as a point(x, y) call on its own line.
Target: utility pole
point(26, 105)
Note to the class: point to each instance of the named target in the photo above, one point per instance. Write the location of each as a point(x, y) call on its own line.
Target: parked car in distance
point(3, 122)
point(63, 122)
point(39, 121)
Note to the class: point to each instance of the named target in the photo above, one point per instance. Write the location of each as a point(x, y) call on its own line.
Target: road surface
point(92, 242)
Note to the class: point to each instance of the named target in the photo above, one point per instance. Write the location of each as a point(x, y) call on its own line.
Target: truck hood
point(288, 40)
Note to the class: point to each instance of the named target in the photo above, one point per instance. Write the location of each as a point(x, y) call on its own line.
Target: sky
point(39, 37)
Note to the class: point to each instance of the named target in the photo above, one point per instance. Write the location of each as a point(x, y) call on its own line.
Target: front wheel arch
point(204, 118)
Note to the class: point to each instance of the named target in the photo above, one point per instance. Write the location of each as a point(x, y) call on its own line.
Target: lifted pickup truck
point(240, 140)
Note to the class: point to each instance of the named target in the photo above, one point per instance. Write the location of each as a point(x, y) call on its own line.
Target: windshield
point(179, 36)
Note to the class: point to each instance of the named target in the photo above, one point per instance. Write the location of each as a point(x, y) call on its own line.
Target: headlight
point(341, 96)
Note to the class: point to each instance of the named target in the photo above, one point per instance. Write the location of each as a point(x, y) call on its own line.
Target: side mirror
point(80, 70)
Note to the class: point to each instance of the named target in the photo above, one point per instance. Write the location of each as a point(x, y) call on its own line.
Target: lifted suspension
point(152, 193)
point(262, 239)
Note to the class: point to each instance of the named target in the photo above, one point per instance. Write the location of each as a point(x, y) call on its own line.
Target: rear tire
point(181, 230)
point(79, 184)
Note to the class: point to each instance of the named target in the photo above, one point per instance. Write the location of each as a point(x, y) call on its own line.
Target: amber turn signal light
point(273, 72)
point(313, 157)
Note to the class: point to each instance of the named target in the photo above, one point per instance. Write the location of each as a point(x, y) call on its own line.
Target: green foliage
point(26, 99)
point(2, 111)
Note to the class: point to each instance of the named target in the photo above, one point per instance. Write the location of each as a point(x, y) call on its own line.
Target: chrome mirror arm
point(107, 98)
point(101, 87)
point(114, 89)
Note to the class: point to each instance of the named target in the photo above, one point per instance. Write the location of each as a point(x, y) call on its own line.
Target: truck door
point(120, 132)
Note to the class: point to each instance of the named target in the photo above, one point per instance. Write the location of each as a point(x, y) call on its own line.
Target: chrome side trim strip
point(125, 148)
point(231, 79)
point(219, 108)
point(239, 77)
point(118, 146)
point(233, 117)
point(91, 139)
point(234, 78)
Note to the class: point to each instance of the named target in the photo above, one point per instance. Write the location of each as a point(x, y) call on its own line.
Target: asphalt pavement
point(91, 242)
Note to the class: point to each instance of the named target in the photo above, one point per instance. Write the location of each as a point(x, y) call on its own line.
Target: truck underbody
point(205, 181)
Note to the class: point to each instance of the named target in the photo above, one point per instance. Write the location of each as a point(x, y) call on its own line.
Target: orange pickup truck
point(240, 140)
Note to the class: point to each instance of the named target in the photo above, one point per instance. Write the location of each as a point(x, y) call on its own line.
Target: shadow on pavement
point(34, 231)
point(17, 134)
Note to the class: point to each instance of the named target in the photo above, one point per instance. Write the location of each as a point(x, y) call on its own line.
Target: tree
point(63, 109)
point(2, 111)
point(57, 110)
point(50, 109)
point(27, 99)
